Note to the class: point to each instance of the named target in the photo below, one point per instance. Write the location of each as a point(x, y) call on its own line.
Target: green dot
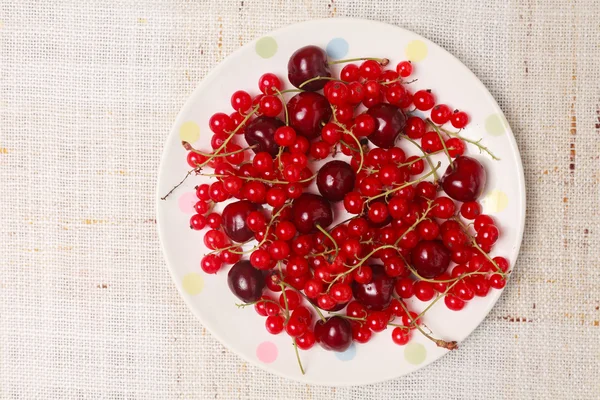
point(266, 47)
point(415, 353)
point(494, 125)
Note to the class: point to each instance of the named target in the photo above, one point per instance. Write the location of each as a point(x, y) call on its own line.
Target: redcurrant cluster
point(411, 232)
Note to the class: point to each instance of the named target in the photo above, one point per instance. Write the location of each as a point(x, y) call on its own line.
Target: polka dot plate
point(242, 330)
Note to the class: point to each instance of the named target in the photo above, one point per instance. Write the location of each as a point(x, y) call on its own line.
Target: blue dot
point(347, 355)
point(337, 48)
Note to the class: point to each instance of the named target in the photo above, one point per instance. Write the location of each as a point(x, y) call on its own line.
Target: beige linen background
point(88, 93)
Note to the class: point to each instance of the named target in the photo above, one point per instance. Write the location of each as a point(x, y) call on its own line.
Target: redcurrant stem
point(307, 299)
point(273, 218)
point(287, 309)
point(405, 184)
point(180, 183)
point(231, 135)
point(439, 342)
point(359, 264)
point(439, 134)
point(287, 117)
point(244, 305)
point(398, 80)
point(413, 226)
point(346, 131)
point(382, 61)
point(474, 242)
point(233, 246)
point(437, 178)
point(474, 142)
point(318, 78)
point(337, 249)
point(251, 178)
point(298, 357)
point(419, 159)
point(189, 147)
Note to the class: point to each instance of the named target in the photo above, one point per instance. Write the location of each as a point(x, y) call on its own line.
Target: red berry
point(197, 222)
point(274, 324)
point(306, 341)
point(341, 292)
point(459, 119)
point(415, 127)
point(443, 207)
point(456, 147)
point(424, 291)
point(260, 259)
point(481, 221)
point(401, 336)
point(377, 321)
point(470, 209)
point(440, 114)
point(241, 101)
point(268, 82)
point(211, 264)
point(370, 69)
point(497, 281)
point(454, 303)
point(423, 100)
point(404, 69)
point(404, 288)
point(431, 142)
point(350, 73)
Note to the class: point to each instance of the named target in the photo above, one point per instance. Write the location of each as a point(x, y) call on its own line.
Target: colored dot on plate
point(192, 283)
point(267, 352)
point(494, 125)
point(187, 201)
point(266, 47)
point(337, 48)
point(416, 51)
point(495, 201)
point(415, 353)
point(189, 132)
point(347, 355)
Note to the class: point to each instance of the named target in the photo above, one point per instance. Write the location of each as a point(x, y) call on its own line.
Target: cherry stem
point(337, 249)
point(318, 78)
point(382, 61)
point(437, 178)
point(180, 183)
point(298, 357)
point(456, 134)
point(287, 117)
point(291, 91)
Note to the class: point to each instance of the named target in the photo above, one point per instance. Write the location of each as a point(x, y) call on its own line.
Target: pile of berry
point(411, 232)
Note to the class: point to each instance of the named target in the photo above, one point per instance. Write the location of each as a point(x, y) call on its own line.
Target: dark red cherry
point(234, 220)
point(389, 122)
point(245, 281)
point(465, 179)
point(335, 179)
point(334, 334)
point(310, 210)
point(377, 294)
point(306, 63)
point(261, 132)
point(308, 112)
point(430, 258)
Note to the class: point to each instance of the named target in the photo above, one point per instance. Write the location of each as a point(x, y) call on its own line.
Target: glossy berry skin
point(308, 112)
point(310, 210)
point(389, 122)
point(377, 294)
point(245, 281)
point(335, 179)
point(335, 334)
point(306, 63)
point(430, 258)
point(234, 220)
point(261, 132)
point(466, 181)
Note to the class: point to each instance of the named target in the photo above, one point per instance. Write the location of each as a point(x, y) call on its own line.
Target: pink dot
point(187, 201)
point(267, 352)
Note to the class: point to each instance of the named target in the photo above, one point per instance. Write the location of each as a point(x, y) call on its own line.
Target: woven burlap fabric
point(88, 93)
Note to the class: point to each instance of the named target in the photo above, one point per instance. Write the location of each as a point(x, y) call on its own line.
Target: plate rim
point(189, 103)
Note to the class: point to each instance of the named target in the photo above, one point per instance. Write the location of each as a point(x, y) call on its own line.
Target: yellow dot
point(189, 132)
point(494, 125)
point(495, 202)
point(192, 283)
point(416, 51)
point(415, 353)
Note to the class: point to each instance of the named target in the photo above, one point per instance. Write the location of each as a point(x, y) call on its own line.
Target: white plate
point(242, 330)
